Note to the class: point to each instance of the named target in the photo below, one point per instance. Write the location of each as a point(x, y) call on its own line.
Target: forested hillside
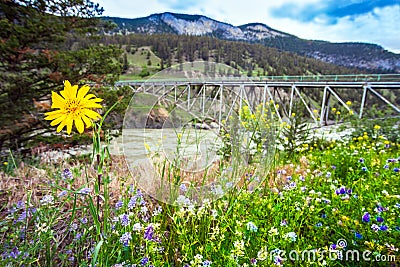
point(250, 59)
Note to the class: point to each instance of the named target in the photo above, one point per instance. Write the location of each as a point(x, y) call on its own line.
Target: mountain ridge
point(365, 56)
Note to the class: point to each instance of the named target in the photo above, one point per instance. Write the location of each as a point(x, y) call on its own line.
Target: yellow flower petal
point(58, 120)
point(92, 105)
point(69, 91)
point(57, 101)
point(61, 126)
point(83, 91)
point(92, 97)
point(51, 115)
point(91, 114)
point(69, 122)
point(87, 121)
point(79, 125)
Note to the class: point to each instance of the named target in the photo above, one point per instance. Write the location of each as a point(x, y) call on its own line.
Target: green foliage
point(294, 132)
point(110, 95)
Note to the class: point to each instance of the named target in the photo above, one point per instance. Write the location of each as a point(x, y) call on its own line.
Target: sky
point(371, 21)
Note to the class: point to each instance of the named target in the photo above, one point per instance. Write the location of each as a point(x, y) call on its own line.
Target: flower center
point(73, 107)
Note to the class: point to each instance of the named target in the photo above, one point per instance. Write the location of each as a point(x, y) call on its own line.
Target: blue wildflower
point(383, 228)
point(358, 235)
point(396, 169)
point(364, 169)
point(251, 227)
point(319, 224)
point(379, 219)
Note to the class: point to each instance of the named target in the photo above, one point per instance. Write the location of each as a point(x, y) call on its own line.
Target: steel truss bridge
point(323, 98)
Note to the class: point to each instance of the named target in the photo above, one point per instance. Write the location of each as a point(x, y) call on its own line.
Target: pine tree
point(42, 44)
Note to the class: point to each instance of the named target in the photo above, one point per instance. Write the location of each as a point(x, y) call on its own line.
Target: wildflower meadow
point(320, 202)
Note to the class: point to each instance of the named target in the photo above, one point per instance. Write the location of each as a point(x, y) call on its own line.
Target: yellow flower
point(351, 112)
point(333, 109)
point(74, 106)
point(377, 127)
point(348, 103)
point(337, 112)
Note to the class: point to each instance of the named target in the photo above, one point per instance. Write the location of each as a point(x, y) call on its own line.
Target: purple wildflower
point(206, 263)
point(375, 227)
point(383, 228)
point(361, 160)
point(333, 246)
point(20, 204)
point(278, 260)
point(386, 166)
point(364, 169)
point(379, 219)
point(253, 261)
point(62, 193)
point(119, 204)
point(148, 233)
point(380, 208)
point(396, 169)
point(284, 222)
point(85, 191)
point(77, 236)
point(144, 261)
point(183, 187)
point(23, 216)
point(132, 202)
point(366, 217)
point(125, 238)
point(14, 253)
point(67, 174)
point(124, 219)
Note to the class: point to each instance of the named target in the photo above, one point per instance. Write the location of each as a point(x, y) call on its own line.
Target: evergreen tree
point(42, 44)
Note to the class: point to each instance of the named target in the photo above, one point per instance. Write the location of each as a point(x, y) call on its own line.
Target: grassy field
point(330, 203)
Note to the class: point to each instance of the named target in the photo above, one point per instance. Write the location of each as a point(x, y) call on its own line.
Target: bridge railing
point(287, 78)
